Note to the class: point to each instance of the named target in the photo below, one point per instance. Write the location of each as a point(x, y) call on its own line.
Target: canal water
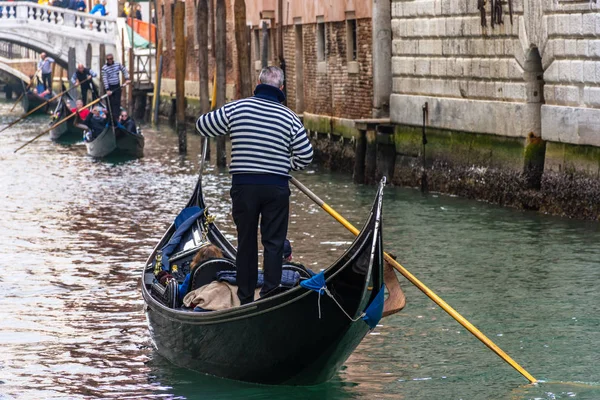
point(75, 233)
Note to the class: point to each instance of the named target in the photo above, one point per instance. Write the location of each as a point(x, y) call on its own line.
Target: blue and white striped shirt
point(110, 74)
point(266, 136)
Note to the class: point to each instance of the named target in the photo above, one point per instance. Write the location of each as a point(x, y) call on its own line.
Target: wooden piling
point(180, 58)
point(131, 69)
point(72, 67)
point(371, 157)
point(386, 153)
point(102, 59)
point(202, 37)
point(358, 175)
point(157, 79)
point(264, 51)
point(202, 28)
point(220, 58)
point(241, 42)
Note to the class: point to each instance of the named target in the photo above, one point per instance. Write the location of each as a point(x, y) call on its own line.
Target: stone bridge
point(67, 36)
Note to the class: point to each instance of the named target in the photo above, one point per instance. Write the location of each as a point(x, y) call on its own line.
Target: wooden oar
point(445, 306)
point(41, 105)
point(27, 88)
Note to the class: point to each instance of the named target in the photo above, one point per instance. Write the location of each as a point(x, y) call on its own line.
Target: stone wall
point(526, 90)
point(478, 79)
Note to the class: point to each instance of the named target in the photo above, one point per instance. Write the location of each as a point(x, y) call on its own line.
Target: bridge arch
point(36, 45)
point(14, 73)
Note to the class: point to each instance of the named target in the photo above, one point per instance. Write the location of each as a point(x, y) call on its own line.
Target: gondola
point(298, 337)
point(69, 130)
point(116, 141)
point(31, 100)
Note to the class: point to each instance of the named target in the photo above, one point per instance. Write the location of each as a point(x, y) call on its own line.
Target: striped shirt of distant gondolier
point(266, 137)
point(110, 74)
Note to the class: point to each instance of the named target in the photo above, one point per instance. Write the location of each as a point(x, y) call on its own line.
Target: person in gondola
point(82, 113)
point(268, 140)
point(127, 122)
point(112, 84)
point(96, 122)
point(81, 74)
point(45, 64)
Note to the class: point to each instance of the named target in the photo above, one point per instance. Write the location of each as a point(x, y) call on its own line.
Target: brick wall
point(330, 88)
point(475, 77)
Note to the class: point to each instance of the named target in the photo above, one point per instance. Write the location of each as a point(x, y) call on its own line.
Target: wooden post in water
point(157, 78)
point(202, 36)
point(71, 70)
point(241, 42)
point(220, 55)
point(264, 51)
point(180, 59)
point(131, 71)
point(211, 26)
point(102, 60)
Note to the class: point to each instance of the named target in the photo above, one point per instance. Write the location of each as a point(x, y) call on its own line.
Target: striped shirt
point(266, 137)
point(110, 74)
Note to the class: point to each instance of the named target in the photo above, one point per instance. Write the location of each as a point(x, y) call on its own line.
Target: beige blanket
point(215, 296)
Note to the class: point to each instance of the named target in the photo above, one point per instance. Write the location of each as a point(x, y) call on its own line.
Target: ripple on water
point(76, 232)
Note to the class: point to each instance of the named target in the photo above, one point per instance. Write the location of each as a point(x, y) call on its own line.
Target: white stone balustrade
point(32, 13)
point(58, 31)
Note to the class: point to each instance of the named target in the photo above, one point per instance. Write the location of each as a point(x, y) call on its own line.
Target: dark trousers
point(115, 102)
point(47, 81)
point(85, 87)
point(270, 204)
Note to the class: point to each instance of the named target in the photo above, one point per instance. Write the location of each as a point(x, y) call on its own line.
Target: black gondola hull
point(116, 142)
point(282, 339)
point(30, 100)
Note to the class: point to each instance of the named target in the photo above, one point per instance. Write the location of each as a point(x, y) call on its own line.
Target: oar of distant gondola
point(98, 100)
point(428, 292)
point(25, 90)
point(40, 106)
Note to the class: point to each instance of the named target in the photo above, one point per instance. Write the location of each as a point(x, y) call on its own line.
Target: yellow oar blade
point(421, 286)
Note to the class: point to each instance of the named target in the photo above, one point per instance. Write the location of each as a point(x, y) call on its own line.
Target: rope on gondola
point(371, 315)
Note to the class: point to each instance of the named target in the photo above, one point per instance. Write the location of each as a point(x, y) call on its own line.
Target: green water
point(75, 234)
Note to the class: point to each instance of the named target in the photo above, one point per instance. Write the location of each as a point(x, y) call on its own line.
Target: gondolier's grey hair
point(272, 76)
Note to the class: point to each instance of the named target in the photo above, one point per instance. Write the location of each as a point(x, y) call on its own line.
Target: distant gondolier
point(45, 65)
point(112, 84)
point(81, 74)
point(268, 140)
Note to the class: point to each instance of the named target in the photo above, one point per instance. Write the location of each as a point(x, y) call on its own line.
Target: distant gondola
point(116, 142)
point(293, 338)
point(31, 100)
point(68, 130)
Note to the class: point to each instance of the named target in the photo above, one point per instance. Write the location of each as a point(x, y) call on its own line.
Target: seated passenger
point(95, 122)
point(127, 122)
point(204, 254)
point(81, 113)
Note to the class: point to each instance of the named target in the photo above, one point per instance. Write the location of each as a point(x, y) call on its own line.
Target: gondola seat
point(207, 272)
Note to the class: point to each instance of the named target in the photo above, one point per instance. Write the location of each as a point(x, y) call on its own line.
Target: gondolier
point(45, 64)
point(81, 74)
point(268, 140)
point(112, 84)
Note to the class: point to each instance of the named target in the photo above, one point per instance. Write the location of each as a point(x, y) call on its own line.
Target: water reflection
point(76, 232)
